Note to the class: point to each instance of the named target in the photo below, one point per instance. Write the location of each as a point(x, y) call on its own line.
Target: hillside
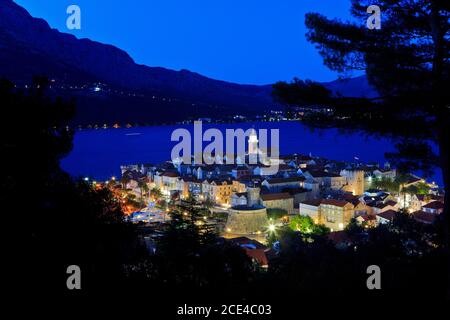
point(130, 92)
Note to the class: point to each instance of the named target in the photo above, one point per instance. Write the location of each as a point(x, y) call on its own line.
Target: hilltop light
point(86, 179)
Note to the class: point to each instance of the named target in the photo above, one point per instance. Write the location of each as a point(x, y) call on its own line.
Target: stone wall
point(247, 221)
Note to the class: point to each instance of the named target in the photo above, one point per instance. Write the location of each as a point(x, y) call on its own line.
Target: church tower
point(253, 147)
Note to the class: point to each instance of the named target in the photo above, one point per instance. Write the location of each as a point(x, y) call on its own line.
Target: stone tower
point(253, 196)
point(355, 181)
point(250, 218)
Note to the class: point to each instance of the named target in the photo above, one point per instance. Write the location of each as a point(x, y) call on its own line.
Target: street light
point(271, 227)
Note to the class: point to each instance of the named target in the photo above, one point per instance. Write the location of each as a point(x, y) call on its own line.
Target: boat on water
point(133, 134)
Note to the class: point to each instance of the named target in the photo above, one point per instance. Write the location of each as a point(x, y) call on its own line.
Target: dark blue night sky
point(243, 41)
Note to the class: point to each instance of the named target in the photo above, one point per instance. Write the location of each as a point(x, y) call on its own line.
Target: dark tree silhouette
point(409, 254)
point(407, 61)
point(71, 222)
point(191, 260)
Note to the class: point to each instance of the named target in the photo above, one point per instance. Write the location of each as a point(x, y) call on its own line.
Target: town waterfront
point(98, 153)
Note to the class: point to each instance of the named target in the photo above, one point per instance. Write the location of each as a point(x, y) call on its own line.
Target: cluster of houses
point(330, 192)
point(370, 209)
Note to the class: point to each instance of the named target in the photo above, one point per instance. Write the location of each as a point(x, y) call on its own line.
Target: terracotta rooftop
point(434, 205)
point(381, 205)
point(259, 255)
point(170, 174)
point(314, 202)
point(275, 196)
point(367, 217)
point(333, 202)
point(388, 215)
point(424, 217)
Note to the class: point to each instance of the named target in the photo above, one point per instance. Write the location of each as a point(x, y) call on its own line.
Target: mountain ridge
point(29, 46)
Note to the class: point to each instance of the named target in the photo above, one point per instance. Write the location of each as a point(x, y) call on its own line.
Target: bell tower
point(253, 147)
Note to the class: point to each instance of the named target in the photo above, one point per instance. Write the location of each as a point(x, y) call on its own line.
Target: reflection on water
point(99, 153)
